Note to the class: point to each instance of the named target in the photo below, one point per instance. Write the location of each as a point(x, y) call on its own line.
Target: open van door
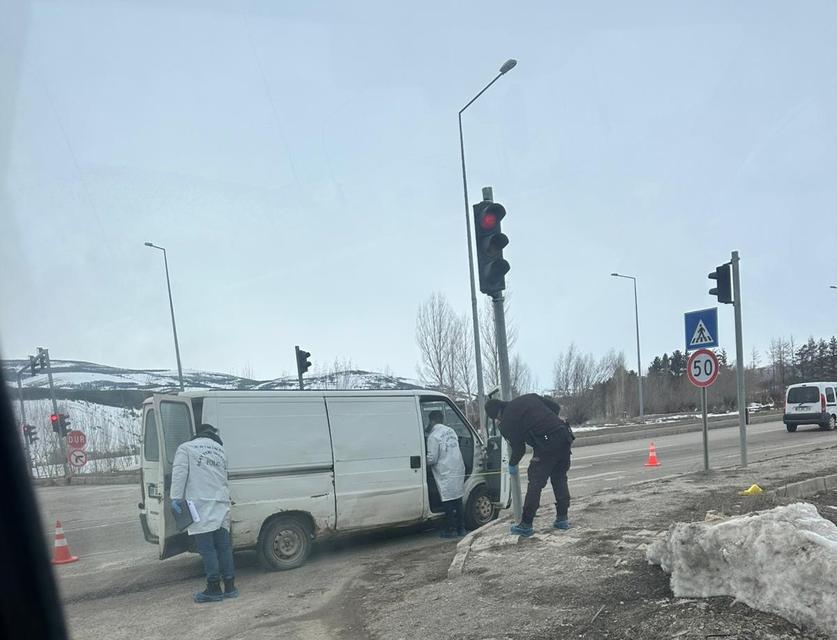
point(497, 467)
point(175, 425)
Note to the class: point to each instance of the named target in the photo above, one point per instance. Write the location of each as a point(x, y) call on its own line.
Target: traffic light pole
point(62, 443)
point(739, 358)
point(26, 446)
point(298, 366)
point(474, 310)
point(498, 303)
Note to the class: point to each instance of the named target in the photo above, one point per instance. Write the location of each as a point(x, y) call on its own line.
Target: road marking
point(596, 475)
point(100, 526)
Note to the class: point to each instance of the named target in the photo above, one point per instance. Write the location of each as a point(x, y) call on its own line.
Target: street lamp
point(833, 286)
point(508, 65)
point(171, 306)
point(638, 356)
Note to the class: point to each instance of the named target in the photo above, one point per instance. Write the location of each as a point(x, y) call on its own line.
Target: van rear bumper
point(820, 419)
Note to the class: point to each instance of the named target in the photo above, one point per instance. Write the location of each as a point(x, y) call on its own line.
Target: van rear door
point(175, 425)
point(152, 498)
point(803, 401)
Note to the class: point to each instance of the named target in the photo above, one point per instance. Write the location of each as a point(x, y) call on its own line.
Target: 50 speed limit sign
point(702, 368)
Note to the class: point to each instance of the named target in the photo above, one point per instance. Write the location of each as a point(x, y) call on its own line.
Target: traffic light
point(64, 423)
point(490, 242)
point(30, 434)
point(33, 362)
point(302, 361)
point(60, 423)
point(723, 290)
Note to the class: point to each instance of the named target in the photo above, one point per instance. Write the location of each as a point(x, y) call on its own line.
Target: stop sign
point(76, 440)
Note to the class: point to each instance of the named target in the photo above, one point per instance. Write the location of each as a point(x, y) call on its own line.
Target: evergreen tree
point(832, 359)
point(822, 364)
point(656, 366)
point(677, 363)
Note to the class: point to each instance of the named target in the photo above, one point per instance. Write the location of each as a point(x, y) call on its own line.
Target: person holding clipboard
point(200, 500)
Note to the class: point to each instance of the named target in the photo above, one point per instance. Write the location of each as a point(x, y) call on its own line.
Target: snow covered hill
point(88, 376)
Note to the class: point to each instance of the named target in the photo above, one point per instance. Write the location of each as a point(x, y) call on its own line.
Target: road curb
point(463, 547)
point(91, 479)
point(805, 488)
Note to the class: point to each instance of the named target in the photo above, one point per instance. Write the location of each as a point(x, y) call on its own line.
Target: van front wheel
point(285, 543)
point(479, 510)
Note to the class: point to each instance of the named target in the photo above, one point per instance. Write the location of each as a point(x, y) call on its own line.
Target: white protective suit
point(199, 474)
point(445, 460)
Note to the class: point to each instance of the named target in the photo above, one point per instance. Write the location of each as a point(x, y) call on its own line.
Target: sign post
point(739, 358)
point(702, 371)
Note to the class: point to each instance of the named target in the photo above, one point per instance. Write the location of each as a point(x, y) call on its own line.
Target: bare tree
point(462, 356)
point(436, 335)
point(341, 374)
point(521, 377)
point(582, 382)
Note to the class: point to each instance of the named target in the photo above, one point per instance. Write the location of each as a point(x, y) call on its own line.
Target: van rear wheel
point(285, 543)
point(791, 428)
point(480, 510)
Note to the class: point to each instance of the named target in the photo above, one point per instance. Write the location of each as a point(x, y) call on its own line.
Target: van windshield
point(798, 395)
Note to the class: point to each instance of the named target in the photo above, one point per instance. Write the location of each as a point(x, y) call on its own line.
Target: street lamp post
point(508, 65)
point(638, 356)
point(171, 306)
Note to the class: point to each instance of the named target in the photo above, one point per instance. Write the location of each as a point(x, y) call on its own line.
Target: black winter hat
point(494, 407)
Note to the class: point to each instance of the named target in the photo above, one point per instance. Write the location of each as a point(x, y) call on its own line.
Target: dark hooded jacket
point(532, 419)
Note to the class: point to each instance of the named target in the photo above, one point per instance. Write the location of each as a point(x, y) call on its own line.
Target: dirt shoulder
point(590, 582)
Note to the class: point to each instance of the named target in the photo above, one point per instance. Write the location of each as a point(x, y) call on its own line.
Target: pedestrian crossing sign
point(701, 329)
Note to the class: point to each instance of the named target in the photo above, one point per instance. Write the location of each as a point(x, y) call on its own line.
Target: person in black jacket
point(534, 420)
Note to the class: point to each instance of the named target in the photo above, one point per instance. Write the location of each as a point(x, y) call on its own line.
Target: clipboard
point(186, 517)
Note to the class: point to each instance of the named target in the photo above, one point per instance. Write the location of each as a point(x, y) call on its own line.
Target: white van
point(314, 463)
point(811, 403)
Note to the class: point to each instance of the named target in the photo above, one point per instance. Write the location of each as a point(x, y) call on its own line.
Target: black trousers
point(454, 515)
point(548, 464)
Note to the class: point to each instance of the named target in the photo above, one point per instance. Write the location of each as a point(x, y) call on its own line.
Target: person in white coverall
point(199, 475)
point(445, 460)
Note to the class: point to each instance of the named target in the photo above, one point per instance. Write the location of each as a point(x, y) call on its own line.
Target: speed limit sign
point(702, 368)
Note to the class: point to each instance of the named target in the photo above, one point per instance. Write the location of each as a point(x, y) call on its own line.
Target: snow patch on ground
point(781, 561)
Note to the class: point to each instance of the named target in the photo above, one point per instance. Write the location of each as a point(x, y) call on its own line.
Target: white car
point(811, 403)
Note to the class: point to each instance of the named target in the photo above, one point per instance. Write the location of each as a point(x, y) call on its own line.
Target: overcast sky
point(300, 162)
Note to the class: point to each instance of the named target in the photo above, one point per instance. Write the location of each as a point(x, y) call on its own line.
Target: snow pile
point(781, 561)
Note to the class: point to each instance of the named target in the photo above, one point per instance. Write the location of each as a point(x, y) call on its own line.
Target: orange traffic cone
point(652, 456)
point(62, 554)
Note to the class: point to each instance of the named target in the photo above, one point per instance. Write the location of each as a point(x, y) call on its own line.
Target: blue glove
point(177, 506)
point(512, 469)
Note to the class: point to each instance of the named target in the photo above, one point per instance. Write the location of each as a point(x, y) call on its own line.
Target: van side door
point(175, 425)
point(830, 401)
point(497, 466)
point(378, 460)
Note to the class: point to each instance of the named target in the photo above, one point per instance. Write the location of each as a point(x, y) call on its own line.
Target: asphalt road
point(118, 588)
